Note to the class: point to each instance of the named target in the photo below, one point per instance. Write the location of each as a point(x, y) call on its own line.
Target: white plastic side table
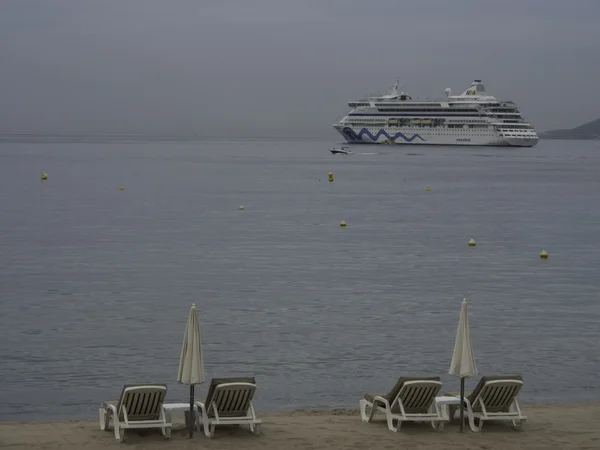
point(445, 402)
point(175, 407)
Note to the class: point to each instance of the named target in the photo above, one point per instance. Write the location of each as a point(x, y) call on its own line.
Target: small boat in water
point(340, 150)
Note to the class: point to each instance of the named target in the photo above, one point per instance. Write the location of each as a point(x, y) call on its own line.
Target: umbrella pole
point(462, 404)
point(192, 419)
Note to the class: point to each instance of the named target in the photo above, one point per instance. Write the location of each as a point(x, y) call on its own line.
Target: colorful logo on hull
point(351, 135)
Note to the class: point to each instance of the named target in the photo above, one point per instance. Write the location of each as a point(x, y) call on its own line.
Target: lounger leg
point(253, 425)
point(388, 413)
point(471, 417)
point(166, 419)
point(452, 411)
point(204, 422)
point(438, 426)
point(390, 421)
point(473, 426)
point(204, 417)
point(103, 420)
point(362, 407)
point(514, 408)
point(363, 410)
point(119, 434)
point(105, 415)
point(520, 426)
point(254, 428)
point(442, 412)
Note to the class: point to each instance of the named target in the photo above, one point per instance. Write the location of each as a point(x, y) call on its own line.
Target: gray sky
point(281, 67)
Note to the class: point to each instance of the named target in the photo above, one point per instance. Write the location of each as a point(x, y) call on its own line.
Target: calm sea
point(96, 283)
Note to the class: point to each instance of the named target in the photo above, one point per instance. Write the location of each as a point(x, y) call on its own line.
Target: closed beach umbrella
point(463, 360)
point(191, 365)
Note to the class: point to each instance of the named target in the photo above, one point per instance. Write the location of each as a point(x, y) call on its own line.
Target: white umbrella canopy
point(191, 364)
point(463, 359)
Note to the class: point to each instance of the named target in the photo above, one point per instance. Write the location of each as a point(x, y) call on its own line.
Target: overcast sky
point(281, 67)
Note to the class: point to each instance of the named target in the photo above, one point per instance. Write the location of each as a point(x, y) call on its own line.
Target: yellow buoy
point(241, 207)
point(428, 188)
point(44, 176)
point(343, 223)
point(330, 176)
point(544, 254)
point(121, 188)
point(472, 243)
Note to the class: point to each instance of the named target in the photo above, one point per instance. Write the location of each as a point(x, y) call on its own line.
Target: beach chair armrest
point(378, 398)
point(105, 408)
point(201, 407)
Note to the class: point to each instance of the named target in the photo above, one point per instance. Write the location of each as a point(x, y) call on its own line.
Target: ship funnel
point(476, 88)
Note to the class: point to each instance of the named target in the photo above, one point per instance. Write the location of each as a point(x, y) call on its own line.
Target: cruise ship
point(471, 118)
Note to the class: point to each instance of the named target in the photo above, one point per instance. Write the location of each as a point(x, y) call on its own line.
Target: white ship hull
point(472, 118)
point(424, 136)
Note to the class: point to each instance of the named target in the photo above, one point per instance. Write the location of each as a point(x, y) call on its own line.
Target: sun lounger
point(228, 402)
point(140, 406)
point(495, 398)
point(411, 399)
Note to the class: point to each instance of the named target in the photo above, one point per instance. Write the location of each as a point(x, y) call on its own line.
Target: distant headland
point(590, 130)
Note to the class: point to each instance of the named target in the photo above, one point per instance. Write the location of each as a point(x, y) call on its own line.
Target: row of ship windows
point(504, 110)
point(430, 110)
point(490, 106)
point(379, 121)
point(467, 121)
point(474, 133)
point(425, 125)
point(457, 134)
point(434, 131)
point(473, 113)
point(479, 134)
point(469, 133)
point(471, 124)
point(449, 109)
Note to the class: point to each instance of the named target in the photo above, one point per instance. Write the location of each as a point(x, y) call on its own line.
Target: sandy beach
point(573, 426)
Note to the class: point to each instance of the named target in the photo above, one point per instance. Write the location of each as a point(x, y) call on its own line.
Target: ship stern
point(522, 142)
